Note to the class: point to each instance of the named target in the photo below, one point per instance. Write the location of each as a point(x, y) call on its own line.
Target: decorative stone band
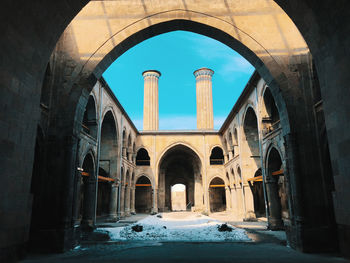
point(151, 73)
point(203, 72)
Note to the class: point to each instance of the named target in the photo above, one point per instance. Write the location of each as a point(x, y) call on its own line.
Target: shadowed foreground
point(185, 252)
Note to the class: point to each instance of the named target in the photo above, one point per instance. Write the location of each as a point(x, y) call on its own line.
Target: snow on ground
point(177, 227)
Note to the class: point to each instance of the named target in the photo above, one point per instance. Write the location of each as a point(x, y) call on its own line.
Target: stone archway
point(217, 195)
point(276, 191)
point(251, 132)
point(143, 195)
point(180, 165)
point(318, 23)
point(256, 186)
point(106, 198)
point(89, 124)
point(87, 189)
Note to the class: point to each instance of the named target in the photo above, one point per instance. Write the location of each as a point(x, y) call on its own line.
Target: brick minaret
point(205, 118)
point(150, 100)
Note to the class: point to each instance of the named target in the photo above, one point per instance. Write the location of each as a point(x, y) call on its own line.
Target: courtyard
point(254, 243)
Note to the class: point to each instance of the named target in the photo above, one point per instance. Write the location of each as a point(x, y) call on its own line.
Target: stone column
point(205, 118)
point(89, 201)
point(233, 200)
point(127, 200)
point(76, 204)
point(198, 192)
point(154, 200)
point(113, 202)
point(226, 157)
point(228, 198)
point(150, 102)
point(275, 220)
point(70, 172)
point(130, 154)
point(124, 152)
point(230, 154)
point(132, 208)
point(122, 196)
point(207, 204)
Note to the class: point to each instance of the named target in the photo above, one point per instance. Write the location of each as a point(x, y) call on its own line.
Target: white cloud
point(208, 49)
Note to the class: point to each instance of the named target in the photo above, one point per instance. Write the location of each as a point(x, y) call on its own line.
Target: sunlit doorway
point(178, 197)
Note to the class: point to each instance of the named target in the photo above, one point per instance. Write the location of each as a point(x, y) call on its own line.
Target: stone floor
point(266, 246)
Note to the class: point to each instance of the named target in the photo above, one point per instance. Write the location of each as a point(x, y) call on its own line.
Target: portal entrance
point(180, 165)
point(217, 195)
point(256, 185)
point(143, 195)
point(178, 197)
point(276, 191)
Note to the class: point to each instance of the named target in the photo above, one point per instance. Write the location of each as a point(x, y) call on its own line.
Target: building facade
point(240, 168)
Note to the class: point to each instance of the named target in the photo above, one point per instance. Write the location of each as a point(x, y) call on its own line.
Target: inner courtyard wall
point(237, 154)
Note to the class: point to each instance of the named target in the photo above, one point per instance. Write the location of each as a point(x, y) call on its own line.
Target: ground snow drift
point(172, 227)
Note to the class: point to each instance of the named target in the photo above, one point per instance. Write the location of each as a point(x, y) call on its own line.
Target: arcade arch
point(251, 132)
point(256, 185)
point(89, 123)
point(217, 195)
point(107, 163)
point(143, 195)
point(276, 190)
point(180, 164)
point(270, 115)
point(216, 156)
point(319, 40)
point(86, 186)
point(142, 157)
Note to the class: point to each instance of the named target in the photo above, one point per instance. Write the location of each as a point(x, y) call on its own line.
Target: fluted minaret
point(205, 118)
point(150, 100)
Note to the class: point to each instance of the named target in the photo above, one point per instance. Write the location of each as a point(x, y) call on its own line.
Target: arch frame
point(89, 151)
point(213, 176)
point(169, 147)
point(246, 108)
point(150, 178)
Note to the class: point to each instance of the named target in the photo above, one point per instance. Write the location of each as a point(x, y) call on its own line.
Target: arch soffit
point(93, 95)
point(143, 147)
point(271, 146)
point(140, 147)
point(149, 177)
point(246, 108)
point(106, 109)
point(184, 14)
point(191, 147)
point(281, 107)
point(216, 145)
point(223, 178)
point(165, 14)
point(261, 96)
point(90, 152)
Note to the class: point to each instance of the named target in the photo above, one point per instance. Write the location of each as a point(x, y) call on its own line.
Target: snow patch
point(193, 227)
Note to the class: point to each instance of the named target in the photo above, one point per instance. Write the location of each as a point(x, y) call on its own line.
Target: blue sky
point(177, 55)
